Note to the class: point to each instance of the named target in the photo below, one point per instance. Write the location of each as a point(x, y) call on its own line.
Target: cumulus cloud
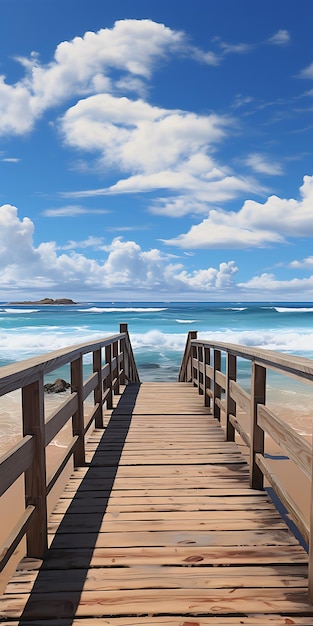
point(157, 149)
point(255, 224)
point(306, 263)
point(121, 58)
point(267, 284)
point(126, 267)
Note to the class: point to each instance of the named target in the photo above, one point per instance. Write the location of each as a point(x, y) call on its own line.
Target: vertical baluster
point(231, 374)
point(216, 387)
point(78, 417)
point(108, 380)
point(207, 380)
point(310, 574)
point(97, 366)
point(258, 389)
point(35, 475)
point(123, 329)
point(116, 375)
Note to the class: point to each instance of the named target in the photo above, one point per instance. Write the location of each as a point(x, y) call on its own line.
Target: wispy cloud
point(262, 164)
point(72, 211)
point(281, 38)
point(307, 72)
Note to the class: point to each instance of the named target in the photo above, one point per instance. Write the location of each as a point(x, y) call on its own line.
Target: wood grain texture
point(160, 528)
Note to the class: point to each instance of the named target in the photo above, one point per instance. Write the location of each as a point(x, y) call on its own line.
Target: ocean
point(158, 333)
point(158, 330)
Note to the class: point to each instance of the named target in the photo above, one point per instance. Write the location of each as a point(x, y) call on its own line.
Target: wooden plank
point(78, 523)
point(195, 601)
point(148, 525)
point(177, 620)
point(66, 558)
point(171, 577)
point(175, 538)
point(297, 448)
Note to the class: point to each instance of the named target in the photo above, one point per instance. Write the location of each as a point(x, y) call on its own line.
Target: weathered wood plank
point(99, 579)
point(163, 523)
point(179, 555)
point(175, 538)
point(190, 602)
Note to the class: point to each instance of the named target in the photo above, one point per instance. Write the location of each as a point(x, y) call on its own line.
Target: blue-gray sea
point(158, 331)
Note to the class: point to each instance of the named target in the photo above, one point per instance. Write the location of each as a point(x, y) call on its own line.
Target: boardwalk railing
point(113, 365)
point(212, 367)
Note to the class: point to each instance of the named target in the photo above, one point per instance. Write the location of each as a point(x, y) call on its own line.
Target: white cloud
point(281, 38)
point(307, 72)
point(304, 264)
point(158, 149)
point(254, 224)
point(125, 269)
point(90, 242)
point(268, 285)
point(262, 164)
point(126, 266)
point(72, 211)
point(120, 58)
point(138, 137)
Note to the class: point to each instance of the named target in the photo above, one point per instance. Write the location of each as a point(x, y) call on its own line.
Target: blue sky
point(156, 150)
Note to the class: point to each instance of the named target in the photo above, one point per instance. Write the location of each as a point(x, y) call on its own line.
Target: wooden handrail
point(28, 457)
point(216, 384)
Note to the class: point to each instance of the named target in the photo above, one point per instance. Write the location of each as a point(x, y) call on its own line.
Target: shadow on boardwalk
point(83, 502)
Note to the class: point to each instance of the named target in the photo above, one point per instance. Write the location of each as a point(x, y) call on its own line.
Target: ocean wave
point(18, 311)
point(285, 309)
point(185, 321)
point(95, 309)
point(236, 308)
point(17, 344)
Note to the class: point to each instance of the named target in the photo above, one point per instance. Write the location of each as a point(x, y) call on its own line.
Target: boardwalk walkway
point(161, 528)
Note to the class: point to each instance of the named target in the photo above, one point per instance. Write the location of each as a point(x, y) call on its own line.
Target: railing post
point(123, 329)
point(207, 380)
point(35, 475)
point(231, 374)
point(97, 367)
point(200, 374)
point(189, 369)
point(216, 387)
point(108, 380)
point(258, 393)
point(78, 417)
point(116, 369)
point(310, 573)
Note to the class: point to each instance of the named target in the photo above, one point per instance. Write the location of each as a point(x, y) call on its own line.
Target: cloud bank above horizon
point(97, 98)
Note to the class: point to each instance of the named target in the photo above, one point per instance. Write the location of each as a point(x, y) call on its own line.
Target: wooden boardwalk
point(161, 528)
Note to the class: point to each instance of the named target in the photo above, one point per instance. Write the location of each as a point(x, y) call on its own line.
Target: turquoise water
point(158, 330)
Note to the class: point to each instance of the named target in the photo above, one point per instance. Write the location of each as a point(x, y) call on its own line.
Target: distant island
point(47, 301)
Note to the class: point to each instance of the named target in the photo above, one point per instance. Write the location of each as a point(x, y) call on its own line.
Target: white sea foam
point(19, 311)
point(285, 309)
point(185, 321)
point(236, 308)
point(22, 343)
point(95, 309)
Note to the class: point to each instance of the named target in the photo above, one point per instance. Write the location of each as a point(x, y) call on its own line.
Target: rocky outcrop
point(58, 386)
point(47, 301)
